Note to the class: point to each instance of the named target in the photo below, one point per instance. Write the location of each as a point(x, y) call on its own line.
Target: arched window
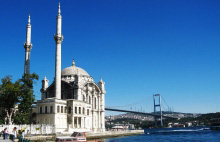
point(61, 109)
point(65, 109)
point(58, 109)
point(95, 103)
point(87, 111)
point(40, 109)
point(45, 111)
point(75, 110)
point(89, 100)
point(79, 110)
point(84, 99)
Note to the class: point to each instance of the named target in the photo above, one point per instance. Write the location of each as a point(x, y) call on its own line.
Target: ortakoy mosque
point(73, 101)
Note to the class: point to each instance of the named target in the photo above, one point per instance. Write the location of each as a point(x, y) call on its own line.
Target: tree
point(17, 96)
point(9, 93)
point(26, 98)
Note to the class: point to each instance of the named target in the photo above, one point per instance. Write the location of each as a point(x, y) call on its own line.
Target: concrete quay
point(110, 134)
point(89, 136)
point(6, 140)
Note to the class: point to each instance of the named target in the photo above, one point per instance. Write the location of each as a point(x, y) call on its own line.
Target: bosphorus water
point(198, 134)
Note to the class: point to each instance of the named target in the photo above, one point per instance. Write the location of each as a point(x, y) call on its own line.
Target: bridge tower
point(157, 103)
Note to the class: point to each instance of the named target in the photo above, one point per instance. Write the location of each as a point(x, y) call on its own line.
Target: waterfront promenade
point(7, 140)
point(110, 134)
point(89, 136)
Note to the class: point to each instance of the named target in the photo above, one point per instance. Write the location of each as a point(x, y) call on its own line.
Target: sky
point(138, 47)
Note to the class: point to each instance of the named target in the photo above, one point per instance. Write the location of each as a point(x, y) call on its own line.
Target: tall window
point(95, 103)
point(89, 100)
point(40, 109)
point(84, 99)
point(87, 111)
point(51, 109)
point(45, 109)
point(79, 110)
point(65, 109)
point(58, 109)
point(75, 110)
point(83, 110)
point(61, 109)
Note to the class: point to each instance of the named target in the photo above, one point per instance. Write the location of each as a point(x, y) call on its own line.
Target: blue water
point(172, 135)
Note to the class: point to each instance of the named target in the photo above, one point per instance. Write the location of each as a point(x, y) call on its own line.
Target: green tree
point(18, 97)
point(9, 93)
point(26, 98)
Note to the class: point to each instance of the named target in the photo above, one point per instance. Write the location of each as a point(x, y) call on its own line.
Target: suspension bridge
point(158, 112)
point(137, 112)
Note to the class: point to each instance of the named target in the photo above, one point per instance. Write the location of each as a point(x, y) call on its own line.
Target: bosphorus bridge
point(160, 111)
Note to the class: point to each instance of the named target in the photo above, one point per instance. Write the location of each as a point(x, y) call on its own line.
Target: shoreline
point(112, 134)
point(89, 136)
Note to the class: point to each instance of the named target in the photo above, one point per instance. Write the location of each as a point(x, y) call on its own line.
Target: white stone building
point(73, 101)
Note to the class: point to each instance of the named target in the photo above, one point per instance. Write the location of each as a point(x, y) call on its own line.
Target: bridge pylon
point(157, 103)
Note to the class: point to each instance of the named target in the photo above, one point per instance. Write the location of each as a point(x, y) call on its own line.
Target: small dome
point(73, 70)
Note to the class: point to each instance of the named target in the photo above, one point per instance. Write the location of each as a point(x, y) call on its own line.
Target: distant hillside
point(202, 119)
point(141, 121)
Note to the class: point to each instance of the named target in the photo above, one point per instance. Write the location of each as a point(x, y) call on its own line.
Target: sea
point(194, 134)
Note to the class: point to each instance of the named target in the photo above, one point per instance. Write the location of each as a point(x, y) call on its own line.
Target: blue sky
point(138, 47)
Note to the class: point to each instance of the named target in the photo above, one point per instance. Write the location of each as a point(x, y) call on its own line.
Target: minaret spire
point(27, 46)
point(59, 11)
point(58, 37)
point(29, 19)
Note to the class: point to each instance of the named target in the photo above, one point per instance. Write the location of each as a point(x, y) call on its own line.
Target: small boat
point(75, 137)
point(215, 124)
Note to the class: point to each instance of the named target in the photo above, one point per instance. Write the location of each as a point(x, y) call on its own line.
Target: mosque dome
point(74, 70)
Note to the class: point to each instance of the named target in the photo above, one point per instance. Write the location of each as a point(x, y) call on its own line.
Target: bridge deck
point(136, 112)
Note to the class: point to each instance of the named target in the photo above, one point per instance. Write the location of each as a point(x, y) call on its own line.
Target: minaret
point(101, 85)
point(27, 46)
point(45, 83)
point(58, 37)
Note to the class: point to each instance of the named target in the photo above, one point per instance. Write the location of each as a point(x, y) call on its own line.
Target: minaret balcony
point(58, 38)
point(28, 46)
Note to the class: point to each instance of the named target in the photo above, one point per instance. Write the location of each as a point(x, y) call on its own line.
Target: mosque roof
point(74, 70)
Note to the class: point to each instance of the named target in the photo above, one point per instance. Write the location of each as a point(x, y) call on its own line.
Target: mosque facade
point(73, 101)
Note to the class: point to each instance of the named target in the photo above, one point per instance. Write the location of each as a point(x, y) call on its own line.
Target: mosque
point(73, 102)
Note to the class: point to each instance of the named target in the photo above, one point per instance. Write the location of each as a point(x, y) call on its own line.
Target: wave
point(175, 130)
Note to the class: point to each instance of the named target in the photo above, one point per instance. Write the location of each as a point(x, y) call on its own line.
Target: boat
point(215, 124)
point(75, 137)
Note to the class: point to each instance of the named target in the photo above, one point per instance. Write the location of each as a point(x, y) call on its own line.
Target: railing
point(31, 129)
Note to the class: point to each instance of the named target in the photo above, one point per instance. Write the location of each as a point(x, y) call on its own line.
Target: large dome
point(73, 70)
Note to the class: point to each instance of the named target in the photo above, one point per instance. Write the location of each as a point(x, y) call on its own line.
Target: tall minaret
point(101, 85)
point(27, 46)
point(58, 37)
